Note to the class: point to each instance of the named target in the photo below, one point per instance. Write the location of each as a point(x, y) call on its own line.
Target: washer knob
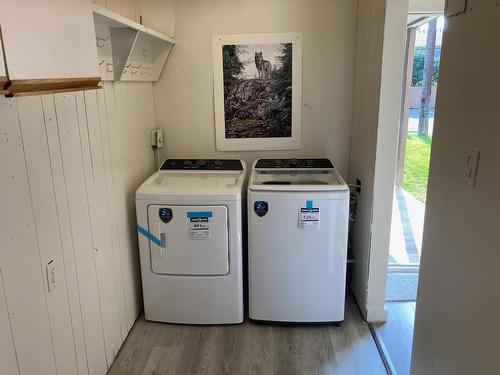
point(202, 163)
point(188, 163)
point(293, 162)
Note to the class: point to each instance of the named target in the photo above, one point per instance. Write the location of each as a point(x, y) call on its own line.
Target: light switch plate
point(454, 7)
point(51, 275)
point(471, 165)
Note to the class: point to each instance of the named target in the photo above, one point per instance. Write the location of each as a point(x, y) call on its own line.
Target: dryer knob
point(294, 162)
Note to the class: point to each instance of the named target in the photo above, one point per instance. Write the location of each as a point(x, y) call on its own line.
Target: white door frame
point(392, 78)
point(391, 85)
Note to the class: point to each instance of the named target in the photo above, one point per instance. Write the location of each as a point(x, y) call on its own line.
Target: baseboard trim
point(376, 315)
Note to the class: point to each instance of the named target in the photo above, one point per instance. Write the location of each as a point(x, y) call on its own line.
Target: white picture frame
point(288, 137)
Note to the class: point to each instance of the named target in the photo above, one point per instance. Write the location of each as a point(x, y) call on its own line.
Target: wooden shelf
point(128, 51)
point(50, 85)
point(47, 47)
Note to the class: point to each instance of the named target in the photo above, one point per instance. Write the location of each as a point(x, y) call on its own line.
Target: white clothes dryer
point(190, 242)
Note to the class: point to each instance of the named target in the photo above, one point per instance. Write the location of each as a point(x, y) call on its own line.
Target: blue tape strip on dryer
point(150, 236)
point(309, 204)
point(198, 214)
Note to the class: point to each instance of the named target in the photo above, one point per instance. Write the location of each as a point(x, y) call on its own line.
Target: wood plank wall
point(69, 167)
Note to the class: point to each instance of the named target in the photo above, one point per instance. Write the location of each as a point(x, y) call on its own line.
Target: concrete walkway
point(406, 229)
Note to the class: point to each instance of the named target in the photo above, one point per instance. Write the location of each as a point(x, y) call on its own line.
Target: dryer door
point(190, 240)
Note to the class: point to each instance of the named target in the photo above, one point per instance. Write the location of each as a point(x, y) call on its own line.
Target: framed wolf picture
point(258, 91)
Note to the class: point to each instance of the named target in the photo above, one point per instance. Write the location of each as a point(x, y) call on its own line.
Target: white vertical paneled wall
point(69, 166)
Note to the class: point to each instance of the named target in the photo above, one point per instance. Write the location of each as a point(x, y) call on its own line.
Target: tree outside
point(418, 67)
point(423, 123)
point(425, 74)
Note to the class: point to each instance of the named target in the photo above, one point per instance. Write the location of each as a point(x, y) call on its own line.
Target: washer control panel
point(203, 164)
point(320, 163)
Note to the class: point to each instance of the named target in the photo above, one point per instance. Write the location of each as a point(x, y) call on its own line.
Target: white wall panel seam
point(41, 264)
point(10, 322)
point(103, 120)
point(26, 326)
point(72, 239)
point(120, 88)
point(60, 234)
point(65, 261)
point(112, 200)
point(90, 199)
point(48, 227)
point(101, 225)
point(96, 333)
point(82, 122)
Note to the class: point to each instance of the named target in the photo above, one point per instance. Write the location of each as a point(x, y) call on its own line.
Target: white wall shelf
point(128, 51)
point(47, 46)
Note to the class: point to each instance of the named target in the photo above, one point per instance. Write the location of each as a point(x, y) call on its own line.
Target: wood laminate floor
point(156, 348)
point(396, 335)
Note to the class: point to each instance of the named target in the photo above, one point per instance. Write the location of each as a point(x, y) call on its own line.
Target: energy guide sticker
point(199, 228)
point(309, 218)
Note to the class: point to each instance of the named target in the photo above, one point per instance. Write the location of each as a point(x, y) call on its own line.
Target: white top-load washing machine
point(297, 241)
point(190, 242)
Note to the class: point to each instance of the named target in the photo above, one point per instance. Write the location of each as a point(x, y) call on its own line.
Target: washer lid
point(296, 174)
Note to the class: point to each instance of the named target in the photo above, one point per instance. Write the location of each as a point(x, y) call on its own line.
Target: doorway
point(421, 76)
point(424, 39)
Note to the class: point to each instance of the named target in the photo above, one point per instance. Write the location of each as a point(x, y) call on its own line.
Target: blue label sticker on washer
point(309, 218)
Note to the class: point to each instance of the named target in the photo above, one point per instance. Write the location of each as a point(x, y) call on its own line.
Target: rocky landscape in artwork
point(257, 107)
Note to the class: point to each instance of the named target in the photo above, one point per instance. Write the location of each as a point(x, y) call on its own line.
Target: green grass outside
point(416, 169)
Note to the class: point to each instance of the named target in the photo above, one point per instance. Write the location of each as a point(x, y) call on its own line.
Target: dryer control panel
point(319, 163)
point(203, 164)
